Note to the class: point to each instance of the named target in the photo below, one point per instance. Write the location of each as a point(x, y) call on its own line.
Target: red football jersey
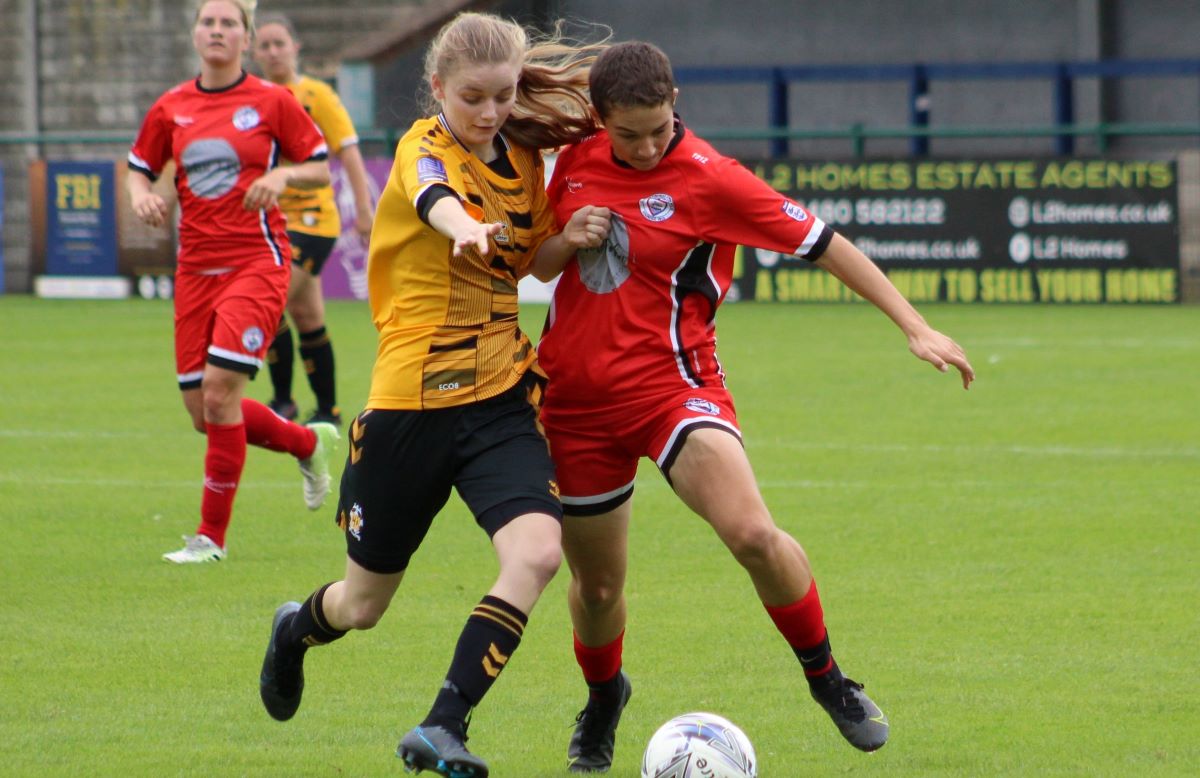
point(221, 141)
point(637, 316)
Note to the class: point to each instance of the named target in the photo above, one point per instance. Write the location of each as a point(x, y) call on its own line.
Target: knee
point(218, 400)
point(753, 542)
point(364, 615)
point(543, 561)
point(599, 593)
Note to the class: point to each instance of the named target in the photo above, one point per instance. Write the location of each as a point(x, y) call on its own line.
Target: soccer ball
point(699, 745)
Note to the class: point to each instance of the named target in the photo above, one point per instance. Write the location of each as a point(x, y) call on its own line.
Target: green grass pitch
point(1012, 571)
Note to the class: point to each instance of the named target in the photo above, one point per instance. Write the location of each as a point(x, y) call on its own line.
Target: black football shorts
point(310, 251)
point(402, 465)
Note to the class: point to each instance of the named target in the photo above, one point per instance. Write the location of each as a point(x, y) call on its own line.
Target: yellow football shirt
point(313, 211)
point(448, 331)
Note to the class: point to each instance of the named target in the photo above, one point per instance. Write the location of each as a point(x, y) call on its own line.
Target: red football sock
point(223, 463)
point(802, 623)
point(601, 663)
point(265, 429)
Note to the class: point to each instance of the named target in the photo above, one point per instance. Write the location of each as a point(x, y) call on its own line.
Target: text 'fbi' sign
point(984, 230)
point(81, 223)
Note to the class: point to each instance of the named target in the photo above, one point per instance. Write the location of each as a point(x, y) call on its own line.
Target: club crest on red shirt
point(657, 207)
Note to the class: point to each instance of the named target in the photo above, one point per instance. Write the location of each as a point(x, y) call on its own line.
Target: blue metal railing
point(1062, 75)
point(1061, 125)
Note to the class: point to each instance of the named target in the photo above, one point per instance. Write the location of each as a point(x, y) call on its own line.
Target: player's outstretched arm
point(854, 269)
point(448, 217)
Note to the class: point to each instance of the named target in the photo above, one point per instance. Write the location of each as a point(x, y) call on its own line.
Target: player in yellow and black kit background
point(313, 226)
point(463, 216)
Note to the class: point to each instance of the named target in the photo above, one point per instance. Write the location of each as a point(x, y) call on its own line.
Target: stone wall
point(93, 69)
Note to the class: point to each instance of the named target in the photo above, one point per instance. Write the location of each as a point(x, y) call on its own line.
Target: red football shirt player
point(630, 349)
point(226, 132)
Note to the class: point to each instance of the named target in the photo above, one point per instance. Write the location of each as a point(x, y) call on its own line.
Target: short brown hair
point(630, 74)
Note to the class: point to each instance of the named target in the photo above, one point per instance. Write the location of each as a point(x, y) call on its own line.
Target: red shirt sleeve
point(738, 207)
point(554, 191)
point(299, 138)
point(152, 147)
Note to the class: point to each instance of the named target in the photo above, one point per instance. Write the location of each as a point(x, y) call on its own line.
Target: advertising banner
point(81, 220)
point(344, 275)
point(984, 230)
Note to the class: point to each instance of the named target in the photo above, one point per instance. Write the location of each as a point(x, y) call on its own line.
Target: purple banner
point(344, 276)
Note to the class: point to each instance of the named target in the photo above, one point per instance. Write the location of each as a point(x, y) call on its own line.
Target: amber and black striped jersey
point(448, 332)
point(313, 211)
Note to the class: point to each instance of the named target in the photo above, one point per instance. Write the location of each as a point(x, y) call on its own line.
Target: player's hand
point(264, 191)
point(588, 227)
point(362, 226)
point(475, 235)
point(150, 208)
point(941, 351)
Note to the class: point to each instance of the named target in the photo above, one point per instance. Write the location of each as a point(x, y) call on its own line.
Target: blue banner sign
point(81, 219)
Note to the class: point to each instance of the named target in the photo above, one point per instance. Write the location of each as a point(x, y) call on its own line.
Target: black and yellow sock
point(308, 627)
point(317, 352)
point(491, 635)
point(280, 361)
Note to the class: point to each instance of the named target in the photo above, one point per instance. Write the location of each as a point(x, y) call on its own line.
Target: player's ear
point(596, 115)
point(435, 85)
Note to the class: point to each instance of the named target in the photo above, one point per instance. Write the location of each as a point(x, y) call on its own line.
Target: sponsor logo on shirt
point(703, 160)
point(794, 210)
point(212, 167)
point(657, 207)
point(252, 339)
point(701, 405)
point(431, 169)
point(184, 121)
point(355, 524)
point(245, 118)
point(573, 185)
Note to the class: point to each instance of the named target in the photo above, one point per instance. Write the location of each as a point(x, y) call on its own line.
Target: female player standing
point(630, 351)
point(313, 226)
point(226, 130)
point(454, 390)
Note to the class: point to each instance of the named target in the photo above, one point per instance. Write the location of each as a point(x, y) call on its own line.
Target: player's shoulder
point(428, 136)
point(525, 154)
point(262, 89)
point(593, 146)
point(698, 155)
point(315, 87)
point(181, 91)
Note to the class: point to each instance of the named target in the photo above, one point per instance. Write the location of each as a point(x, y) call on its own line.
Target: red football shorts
point(227, 319)
point(596, 449)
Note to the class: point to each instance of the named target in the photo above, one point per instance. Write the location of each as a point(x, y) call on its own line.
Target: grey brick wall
point(98, 65)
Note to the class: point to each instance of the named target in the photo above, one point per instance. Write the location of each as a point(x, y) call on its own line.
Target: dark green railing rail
point(856, 135)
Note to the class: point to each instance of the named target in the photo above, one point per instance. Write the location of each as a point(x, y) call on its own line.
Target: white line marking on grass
point(1102, 452)
point(132, 483)
point(83, 433)
point(1067, 343)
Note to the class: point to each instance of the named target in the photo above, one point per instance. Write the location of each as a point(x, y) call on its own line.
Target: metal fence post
point(779, 113)
point(1064, 109)
point(918, 109)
